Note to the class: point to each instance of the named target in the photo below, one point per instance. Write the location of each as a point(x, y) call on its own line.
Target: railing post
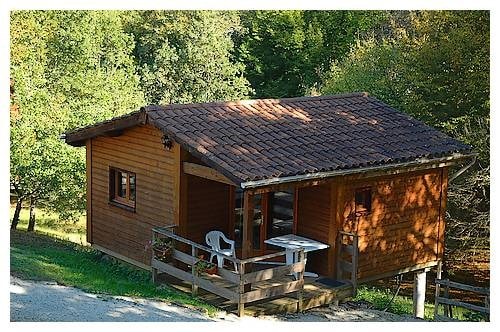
point(154, 271)
point(241, 290)
point(194, 272)
point(154, 276)
point(447, 307)
point(300, 276)
point(354, 275)
point(339, 256)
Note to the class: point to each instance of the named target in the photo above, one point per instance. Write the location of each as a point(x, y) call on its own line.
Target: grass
point(41, 257)
point(401, 305)
point(49, 223)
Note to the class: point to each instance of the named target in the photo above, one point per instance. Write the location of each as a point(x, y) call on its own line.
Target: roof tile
point(260, 139)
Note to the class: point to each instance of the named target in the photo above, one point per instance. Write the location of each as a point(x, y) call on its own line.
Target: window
point(281, 215)
point(273, 215)
point(122, 187)
point(363, 198)
point(257, 219)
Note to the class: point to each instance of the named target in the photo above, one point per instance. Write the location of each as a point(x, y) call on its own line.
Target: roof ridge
point(244, 102)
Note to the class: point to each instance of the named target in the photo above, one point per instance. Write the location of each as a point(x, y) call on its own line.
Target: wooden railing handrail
point(184, 240)
point(264, 257)
point(454, 284)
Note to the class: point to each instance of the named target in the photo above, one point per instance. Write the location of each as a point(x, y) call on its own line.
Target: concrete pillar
point(419, 285)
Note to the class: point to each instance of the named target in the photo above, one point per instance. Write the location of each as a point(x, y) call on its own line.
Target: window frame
point(114, 185)
point(367, 198)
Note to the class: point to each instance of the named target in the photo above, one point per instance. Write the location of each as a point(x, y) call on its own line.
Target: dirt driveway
point(50, 302)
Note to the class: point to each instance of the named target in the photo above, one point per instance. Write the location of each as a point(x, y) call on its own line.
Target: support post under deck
point(419, 286)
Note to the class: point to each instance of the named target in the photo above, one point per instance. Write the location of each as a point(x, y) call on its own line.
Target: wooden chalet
point(345, 170)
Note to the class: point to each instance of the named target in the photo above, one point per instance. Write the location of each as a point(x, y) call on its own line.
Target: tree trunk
point(31, 223)
point(17, 211)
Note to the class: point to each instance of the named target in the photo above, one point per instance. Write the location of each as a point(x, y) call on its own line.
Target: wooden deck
point(259, 285)
point(315, 294)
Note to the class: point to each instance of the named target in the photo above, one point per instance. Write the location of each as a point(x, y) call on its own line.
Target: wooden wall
point(207, 208)
point(138, 150)
point(314, 221)
point(405, 226)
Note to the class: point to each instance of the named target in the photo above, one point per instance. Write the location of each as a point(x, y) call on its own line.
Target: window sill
point(122, 206)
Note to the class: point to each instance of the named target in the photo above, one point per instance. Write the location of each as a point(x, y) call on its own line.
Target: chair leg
point(220, 261)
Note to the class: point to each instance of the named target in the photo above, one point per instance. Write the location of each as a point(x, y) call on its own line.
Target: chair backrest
point(213, 239)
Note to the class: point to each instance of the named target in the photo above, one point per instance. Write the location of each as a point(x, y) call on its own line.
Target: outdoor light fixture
point(167, 142)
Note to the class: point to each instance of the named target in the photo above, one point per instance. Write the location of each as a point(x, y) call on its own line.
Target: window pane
point(280, 215)
point(257, 220)
point(132, 187)
point(238, 222)
point(363, 199)
point(122, 184)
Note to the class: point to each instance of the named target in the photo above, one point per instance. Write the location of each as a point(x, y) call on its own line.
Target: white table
point(291, 242)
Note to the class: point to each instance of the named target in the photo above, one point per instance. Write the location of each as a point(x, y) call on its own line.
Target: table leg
point(291, 258)
point(308, 274)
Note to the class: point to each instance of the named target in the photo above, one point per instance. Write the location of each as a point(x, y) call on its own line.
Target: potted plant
point(205, 267)
point(162, 249)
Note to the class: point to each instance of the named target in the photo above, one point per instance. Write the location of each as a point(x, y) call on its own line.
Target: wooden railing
point(448, 303)
point(347, 258)
point(239, 286)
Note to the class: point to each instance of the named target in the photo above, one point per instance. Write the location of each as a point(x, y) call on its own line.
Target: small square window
point(363, 199)
point(122, 187)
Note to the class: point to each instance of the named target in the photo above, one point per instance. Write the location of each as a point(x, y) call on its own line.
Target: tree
point(69, 69)
point(287, 53)
point(185, 56)
point(434, 65)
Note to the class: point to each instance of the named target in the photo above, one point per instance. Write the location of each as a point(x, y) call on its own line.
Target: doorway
point(274, 215)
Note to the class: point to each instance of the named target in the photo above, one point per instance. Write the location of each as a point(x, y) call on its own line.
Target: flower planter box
point(212, 270)
point(206, 267)
point(163, 254)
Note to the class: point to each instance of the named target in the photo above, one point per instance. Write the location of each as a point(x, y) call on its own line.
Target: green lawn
point(401, 305)
point(41, 257)
point(49, 223)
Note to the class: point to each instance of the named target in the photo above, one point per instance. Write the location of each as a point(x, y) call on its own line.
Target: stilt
point(419, 286)
point(439, 271)
point(154, 276)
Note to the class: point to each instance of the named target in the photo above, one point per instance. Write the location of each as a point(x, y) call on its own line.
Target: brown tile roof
point(262, 139)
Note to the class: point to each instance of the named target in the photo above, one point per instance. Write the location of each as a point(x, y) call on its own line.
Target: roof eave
point(116, 125)
point(423, 162)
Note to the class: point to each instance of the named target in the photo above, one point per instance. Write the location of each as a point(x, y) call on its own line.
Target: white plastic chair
point(213, 240)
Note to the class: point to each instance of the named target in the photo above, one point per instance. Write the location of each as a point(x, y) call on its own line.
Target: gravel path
point(50, 302)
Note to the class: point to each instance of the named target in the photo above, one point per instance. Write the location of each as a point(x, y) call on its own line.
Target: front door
point(273, 216)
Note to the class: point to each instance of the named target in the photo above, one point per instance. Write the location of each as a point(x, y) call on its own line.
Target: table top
point(292, 241)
